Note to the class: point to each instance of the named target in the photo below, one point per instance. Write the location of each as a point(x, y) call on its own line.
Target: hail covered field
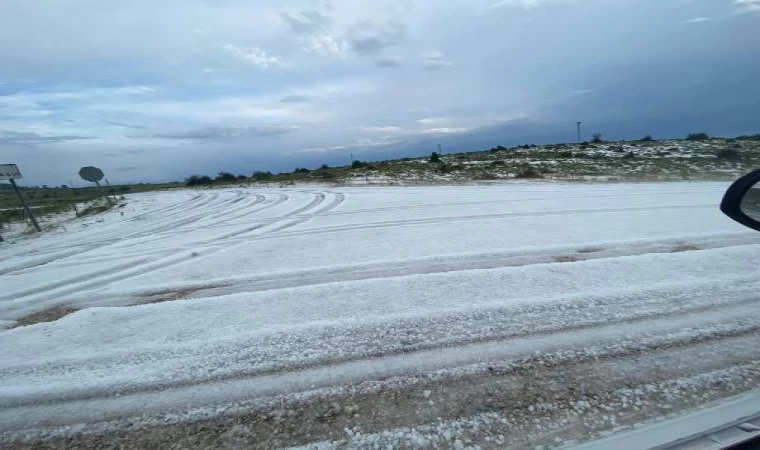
point(398, 316)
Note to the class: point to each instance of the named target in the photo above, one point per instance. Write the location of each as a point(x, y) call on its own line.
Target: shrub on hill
point(528, 172)
point(225, 177)
point(697, 137)
point(198, 180)
point(728, 154)
point(751, 137)
point(261, 176)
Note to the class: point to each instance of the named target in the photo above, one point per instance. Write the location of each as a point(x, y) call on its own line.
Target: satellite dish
point(94, 175)
point(91, 173)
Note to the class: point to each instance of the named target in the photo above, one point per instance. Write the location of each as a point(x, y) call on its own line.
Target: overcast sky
point(159, 90)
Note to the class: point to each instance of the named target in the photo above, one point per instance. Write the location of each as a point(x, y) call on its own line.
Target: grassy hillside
point(708, 159)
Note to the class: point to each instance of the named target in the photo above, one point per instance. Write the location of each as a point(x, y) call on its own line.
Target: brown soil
point(684, 248)
point(590, 250)
point(48, 315)
point(169, 295)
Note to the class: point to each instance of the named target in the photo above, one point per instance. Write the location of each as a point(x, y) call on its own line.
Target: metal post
point(28, 211)
point(109, 188)
point(100, 189)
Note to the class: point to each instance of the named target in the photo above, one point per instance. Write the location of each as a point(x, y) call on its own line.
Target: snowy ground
point(479, 315)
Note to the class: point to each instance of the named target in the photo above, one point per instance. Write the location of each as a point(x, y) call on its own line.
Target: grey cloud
point(27, 138)
point(306, 21)
point(435, 60)
point(367, 45)
point(747, 6)
point(131, 151)
point(295, 99)
point(698, 20)
point(123, 125)
point(222, 133)
point(369, 38)
point(126, 169)
point(126, 152)
point(254, 56)
point(388, 62)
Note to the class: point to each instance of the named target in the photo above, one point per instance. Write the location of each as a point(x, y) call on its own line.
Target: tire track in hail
point(260, 228)
point(316, 210)
point(448, 264)
point(257, 199)
point(109, 237)
point(261, 222)
point(89, 275)
point(169, 233)
point(104, 277)
point(175, 226)
point(280, 198)
point(90, 246)
point(496, 202)
point(168, 208)
point(474, 218)
point(177, 223)
point(376, 347)
point(77, 246)
point(153, 227)
point(84, 240)
point(22, 295)
point(337, 200)
point(230, 242)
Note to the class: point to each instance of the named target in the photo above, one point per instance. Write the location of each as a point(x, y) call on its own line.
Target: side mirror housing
point(741, 202)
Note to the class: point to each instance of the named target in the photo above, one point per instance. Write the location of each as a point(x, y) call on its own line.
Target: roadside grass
point(48, 206)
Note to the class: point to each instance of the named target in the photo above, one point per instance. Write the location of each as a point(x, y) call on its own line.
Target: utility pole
point(26, 207)
point(579, 132)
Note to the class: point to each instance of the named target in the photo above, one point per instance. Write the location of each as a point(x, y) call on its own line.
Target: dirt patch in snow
point(48, 315)
point(168, 295)
point(684, 248)
point(590, 250)
point(567, 258)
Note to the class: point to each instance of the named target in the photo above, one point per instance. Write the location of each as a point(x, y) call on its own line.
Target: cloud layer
point(157, 90)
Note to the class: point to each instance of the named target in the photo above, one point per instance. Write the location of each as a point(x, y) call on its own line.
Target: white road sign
point(9, 172)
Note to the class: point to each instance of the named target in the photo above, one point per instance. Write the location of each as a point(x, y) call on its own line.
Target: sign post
point(10, 172)
point(94, 175)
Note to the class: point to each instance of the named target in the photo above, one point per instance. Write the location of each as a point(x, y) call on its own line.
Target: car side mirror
point(741, 201)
